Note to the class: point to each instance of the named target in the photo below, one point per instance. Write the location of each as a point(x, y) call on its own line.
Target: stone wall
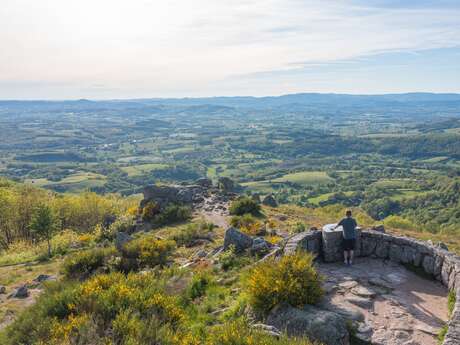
point(433, 260)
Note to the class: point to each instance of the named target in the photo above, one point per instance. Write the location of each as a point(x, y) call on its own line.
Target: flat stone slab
point(389, 304)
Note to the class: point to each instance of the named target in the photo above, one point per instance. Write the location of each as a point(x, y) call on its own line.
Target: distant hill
point(296, 100)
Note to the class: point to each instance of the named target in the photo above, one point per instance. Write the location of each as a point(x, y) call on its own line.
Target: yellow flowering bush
point(146, 251)
point(292, 279)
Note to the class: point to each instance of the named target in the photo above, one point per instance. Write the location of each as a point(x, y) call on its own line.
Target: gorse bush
point(292, 280)
point(248, 224)
point(146, 251)
point(150, 210)
point(107, 309)
point(84, 263)
point(244, 205)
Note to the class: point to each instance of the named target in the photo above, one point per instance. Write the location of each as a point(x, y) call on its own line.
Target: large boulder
point(236, 238)
point(260, 246)
point(20, 292)
point(270, 200)
point(164, 195)
point(204, 182)
point(320, 325)
point(226, 184)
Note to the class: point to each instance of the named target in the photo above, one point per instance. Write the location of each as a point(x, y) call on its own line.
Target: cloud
point(168, 47)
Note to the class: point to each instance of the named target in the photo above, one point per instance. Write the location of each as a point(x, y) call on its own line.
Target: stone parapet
point(433, 260)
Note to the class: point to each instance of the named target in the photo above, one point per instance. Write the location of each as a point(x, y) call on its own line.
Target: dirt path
point(216, 218)
point(393, 306)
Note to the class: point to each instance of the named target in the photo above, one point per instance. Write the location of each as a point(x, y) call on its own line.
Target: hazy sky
point(97, 49)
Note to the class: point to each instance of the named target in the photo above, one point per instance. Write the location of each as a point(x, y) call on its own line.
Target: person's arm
point(338, 224)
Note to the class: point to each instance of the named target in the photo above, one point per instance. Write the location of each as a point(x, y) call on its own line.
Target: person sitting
point(349, 237)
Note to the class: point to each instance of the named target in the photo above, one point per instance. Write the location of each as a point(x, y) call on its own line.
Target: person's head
point(348, 213)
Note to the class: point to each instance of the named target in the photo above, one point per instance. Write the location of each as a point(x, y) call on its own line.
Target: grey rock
point(20, 292)
point(172, 194)
point(365, 303)
point(204, 182)
point(368, 246)
point(344, 310)
point(201, 254)
point(319, 325)
point(396, 253)
point(260, 246)
point(363, 291)
point(428, 264)
point(270, 200)
point(236, 238)
point(382, 249)
point(442, 245)
point(44, 277)
point(348, 284)
point(226, 184)
point(379, 282)
point(2, 289)
point(121, 240)
point(379, 228)
point(271, 330)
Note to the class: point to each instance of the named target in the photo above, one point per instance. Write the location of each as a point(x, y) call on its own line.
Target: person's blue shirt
point(349, 228)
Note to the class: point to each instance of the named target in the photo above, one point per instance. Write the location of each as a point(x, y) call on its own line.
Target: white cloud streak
point(177, 47)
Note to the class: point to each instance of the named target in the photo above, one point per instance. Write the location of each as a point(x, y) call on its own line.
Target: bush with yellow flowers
point(118, 308)
point(292, 279)
point(146, 251)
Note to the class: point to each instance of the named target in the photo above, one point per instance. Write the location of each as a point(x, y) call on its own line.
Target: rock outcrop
point(226, 185)
point(237, 239)
point(317, 324)
point(20, 292)
point(270, 200)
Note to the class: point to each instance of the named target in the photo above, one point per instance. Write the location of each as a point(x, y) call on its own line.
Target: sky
point(106, 49)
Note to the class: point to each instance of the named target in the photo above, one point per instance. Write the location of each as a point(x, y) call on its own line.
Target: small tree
point(43, 224)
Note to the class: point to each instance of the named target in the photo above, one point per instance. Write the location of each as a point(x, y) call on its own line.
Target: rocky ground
point(390, 304)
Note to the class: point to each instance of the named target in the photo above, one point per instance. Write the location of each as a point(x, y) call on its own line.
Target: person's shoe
point(350, 262)
point(346, 262)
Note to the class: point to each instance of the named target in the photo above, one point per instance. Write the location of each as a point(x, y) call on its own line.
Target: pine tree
point(43, 224)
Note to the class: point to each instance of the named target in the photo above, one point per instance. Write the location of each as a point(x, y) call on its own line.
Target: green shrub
point(298, 227)
point(197, 287)
point(230, 259)
point(83, 264)
point(292, 280)
point(172, 214)
point(188, 235)
point(244, 205)
point(146, 251)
